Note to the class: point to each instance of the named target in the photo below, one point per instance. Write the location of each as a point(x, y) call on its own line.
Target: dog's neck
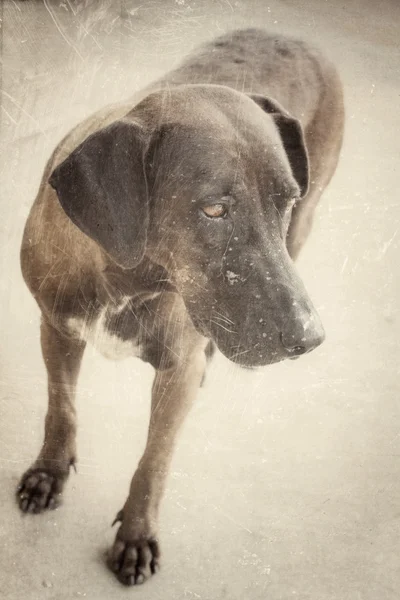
point(144, 282)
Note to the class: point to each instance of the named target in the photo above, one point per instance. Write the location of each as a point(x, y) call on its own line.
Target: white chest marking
point(96, 334)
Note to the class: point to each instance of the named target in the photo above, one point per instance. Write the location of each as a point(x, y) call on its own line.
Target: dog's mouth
point(246, 351)
point(246, 356)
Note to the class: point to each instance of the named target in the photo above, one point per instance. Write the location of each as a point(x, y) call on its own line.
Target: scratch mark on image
point(61, 31)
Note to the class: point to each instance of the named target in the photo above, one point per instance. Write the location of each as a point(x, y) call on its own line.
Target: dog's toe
point(134, 562)
point(39, 490)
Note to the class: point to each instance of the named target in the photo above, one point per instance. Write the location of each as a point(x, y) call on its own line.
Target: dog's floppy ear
point(292, 138)
point(102, 187)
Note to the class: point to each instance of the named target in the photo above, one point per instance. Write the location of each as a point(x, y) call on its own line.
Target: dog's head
point(202, 179)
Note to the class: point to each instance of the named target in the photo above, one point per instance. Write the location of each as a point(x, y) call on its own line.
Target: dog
point(167, 226)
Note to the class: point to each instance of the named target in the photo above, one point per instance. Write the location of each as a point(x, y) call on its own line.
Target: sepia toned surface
point(285, 482)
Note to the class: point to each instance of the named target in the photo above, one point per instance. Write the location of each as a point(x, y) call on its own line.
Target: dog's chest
point(114, 332)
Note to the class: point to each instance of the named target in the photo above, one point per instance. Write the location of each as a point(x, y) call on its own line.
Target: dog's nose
point(302, 337)
point(294, 350)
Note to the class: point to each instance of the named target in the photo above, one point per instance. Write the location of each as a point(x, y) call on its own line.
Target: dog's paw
point(134, 562)
point(39, 490)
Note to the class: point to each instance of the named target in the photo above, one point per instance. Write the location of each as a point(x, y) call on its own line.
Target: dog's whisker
point(222, 326)
point(240, 353)
point(222, 318)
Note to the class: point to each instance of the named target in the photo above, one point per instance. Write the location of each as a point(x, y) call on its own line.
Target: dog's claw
point(52, 503)
point(24, 504)
point(118, 518)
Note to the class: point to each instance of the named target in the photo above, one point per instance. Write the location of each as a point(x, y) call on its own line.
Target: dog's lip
point(201, 326)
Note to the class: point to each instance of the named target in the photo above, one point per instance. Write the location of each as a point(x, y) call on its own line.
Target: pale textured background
point(285, 483)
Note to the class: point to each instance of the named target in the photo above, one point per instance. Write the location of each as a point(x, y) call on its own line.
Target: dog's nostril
point(297, 349)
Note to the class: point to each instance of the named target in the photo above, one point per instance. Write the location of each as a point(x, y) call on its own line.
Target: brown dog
point(168, 224)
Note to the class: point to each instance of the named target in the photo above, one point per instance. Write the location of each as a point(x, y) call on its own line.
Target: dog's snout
point(302, 336)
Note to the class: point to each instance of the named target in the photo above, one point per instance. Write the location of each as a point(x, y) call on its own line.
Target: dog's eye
point(215, 211)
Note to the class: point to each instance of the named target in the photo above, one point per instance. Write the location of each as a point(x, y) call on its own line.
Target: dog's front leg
point(135, 555)
point(41, 486)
